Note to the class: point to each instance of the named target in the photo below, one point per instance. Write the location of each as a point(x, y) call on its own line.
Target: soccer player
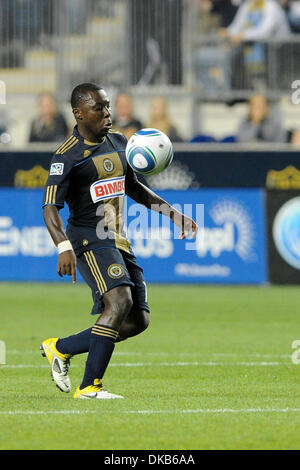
point(89, 172)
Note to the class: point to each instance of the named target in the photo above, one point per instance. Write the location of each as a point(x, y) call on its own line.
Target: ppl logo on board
point(106, 189)
point(286, 232)
point(233, 231)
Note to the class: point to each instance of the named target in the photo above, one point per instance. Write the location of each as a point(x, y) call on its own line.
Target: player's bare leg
point(135, 323)
point(118, 303)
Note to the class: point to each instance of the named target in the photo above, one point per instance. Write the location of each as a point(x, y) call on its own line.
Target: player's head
point(91, 108)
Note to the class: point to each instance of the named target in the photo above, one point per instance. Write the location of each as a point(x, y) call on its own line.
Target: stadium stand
point(53, 58)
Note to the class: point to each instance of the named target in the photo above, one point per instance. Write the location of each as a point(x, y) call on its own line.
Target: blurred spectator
point(255, 20)
point(294, 138)
point(124, 120)
point(159, 119)
point(223, 10)
point(263, 124)
point(50, 125)
point(292, 8)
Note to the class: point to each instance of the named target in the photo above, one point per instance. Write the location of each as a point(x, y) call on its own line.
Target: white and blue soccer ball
point(149, 151)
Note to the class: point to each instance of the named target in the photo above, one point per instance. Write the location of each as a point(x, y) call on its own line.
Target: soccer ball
point(149, 151)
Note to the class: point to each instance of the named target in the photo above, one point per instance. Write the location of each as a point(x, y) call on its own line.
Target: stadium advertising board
point(283, 214)
point(27, 252)
point(229, 248)
point(189, 170)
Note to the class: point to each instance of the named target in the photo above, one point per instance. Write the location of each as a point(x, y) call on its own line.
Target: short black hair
point(80, 92)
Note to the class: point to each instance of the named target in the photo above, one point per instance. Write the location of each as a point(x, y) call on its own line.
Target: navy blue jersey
point(91, 178)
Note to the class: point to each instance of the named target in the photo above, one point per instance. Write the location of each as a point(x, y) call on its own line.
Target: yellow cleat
point(59, 364)
point(95, 391)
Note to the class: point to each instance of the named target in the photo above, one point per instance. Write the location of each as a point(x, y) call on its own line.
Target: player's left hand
point(66, 264)
point(187, 226)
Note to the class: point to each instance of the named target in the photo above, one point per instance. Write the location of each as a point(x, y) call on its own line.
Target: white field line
point(165, 354)
point(153, 412)
point(160, 364)
point(217, 410)
point(252, 355)
point(195, 363)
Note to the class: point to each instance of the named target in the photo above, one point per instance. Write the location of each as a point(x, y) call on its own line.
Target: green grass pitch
point(213, 371)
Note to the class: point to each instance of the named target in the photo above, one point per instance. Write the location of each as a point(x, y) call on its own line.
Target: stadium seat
point(203, 139)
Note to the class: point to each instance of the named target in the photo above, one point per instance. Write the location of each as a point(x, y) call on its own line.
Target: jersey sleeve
point(58, 181)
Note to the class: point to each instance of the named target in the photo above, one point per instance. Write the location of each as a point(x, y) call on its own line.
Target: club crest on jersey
point(108, 165)
point(109, 188)
point(56, 169)
point(115, 271)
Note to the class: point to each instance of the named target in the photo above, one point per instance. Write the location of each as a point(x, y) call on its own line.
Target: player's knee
point(143, 321)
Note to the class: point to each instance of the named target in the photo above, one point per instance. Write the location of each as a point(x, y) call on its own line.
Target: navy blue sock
point(75, 344)
point(102, 344)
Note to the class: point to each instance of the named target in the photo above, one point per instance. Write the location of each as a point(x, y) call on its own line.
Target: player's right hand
point(67, 264)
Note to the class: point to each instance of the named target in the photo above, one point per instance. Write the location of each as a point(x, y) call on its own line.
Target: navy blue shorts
point(106, 268)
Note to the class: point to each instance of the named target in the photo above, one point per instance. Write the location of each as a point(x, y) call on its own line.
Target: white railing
point(221, 72)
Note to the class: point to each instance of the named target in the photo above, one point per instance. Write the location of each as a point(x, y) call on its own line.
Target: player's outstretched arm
point(143, 195)
point(66, 259)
